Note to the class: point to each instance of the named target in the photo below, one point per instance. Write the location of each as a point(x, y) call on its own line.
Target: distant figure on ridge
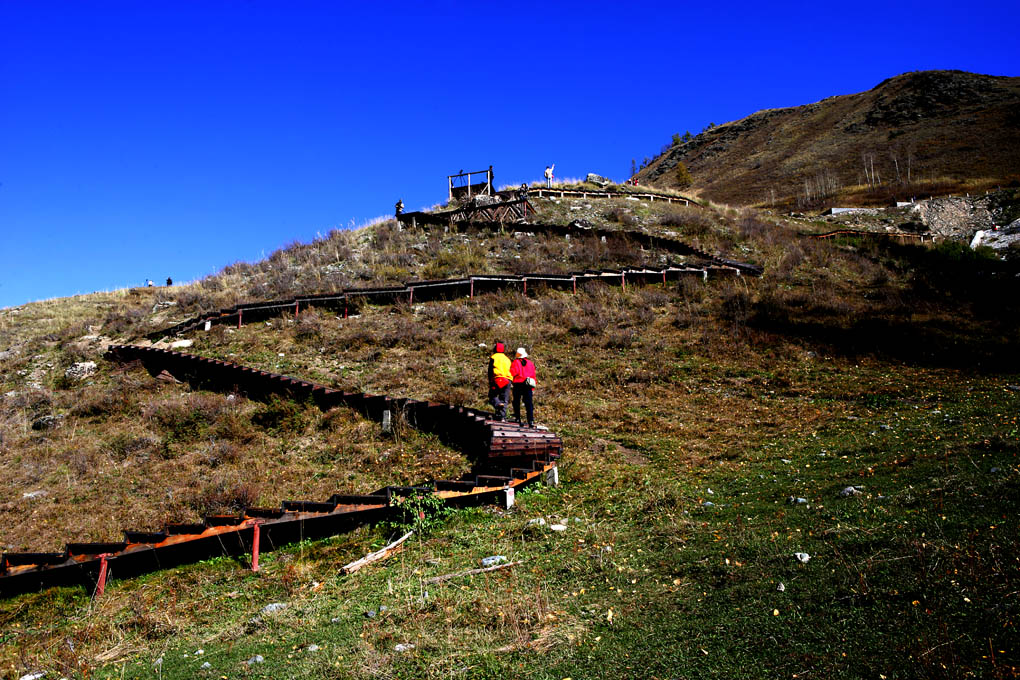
point(499, 381)
point(523, 373)
point(399, 207)
point(549, 175)
point(149, 283)
point(169, 282)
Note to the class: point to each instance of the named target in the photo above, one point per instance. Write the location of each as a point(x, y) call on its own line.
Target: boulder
point(601, 181)
point(80, 370)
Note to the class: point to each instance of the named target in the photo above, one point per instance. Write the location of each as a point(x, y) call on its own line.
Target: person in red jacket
point(523, 372)
point(499, 381)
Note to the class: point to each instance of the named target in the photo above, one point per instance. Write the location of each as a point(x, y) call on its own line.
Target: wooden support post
point(410, 297)
point(623, 280)
point(574, 279)
point(525, 286)
point(296, 308)
point(240, 313)
point(471, 289)
point(256, 531)
point(104, 570)
point(664, 277)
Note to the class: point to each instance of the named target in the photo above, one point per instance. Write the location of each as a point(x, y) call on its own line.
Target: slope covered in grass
point(690, 415)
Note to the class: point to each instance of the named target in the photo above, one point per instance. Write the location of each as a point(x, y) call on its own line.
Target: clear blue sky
point(150, 139)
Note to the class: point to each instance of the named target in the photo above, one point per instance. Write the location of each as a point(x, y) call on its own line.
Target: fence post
point(410, 298)
point(240, 313)
point(103, 572)
point(471, 289)
point(256, 531)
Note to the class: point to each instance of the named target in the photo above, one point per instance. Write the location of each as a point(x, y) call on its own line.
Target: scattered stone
point(1014, 388)
point(708, 504)
point(493, 561)
point(711, 493)
point(796, 500)
point(803, 558)
point(80, 370)
point(994, 470)
point(885, 427)
point(199, 652)
point(46, 422)
point(597, 179)
point(403, 647)
point(274, 607)
point(34, 494)
point(785, 460)
point(312, 648)
point(781, 587)
point(206, 666)
point(255, 659)
point(177, 344)
point(370, 614)
point(33, 676)
point(383, 608)
point(537, 522)
point(558, 527)
point(335, 619)
point(851, 491)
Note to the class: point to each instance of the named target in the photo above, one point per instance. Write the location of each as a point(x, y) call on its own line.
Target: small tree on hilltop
point(682, 176)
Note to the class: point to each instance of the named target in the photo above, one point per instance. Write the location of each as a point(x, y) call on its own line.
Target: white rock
point(803, 558)
point(538, 521)
point(255, 659)
point(312, 648)
point(493, 561)
point(34, 494)
point(33, 676)
point(558, 527)
point(206, 666)
point(781, 588)
point(274, 607)
point(403, 647)
point(80, 370)
point(176, 344)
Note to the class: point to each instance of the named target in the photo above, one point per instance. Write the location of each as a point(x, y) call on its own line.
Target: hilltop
point(711, 431)
point(914, 134)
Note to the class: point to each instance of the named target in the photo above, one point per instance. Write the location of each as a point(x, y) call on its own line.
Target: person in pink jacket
point(522, 371)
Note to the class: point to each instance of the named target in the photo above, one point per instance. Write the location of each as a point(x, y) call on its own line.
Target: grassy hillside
point(916, 134)
point(690, 415)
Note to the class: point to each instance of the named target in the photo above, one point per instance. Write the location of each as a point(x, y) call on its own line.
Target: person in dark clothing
point(169, 282)
point(522, 372)
point(499, 381)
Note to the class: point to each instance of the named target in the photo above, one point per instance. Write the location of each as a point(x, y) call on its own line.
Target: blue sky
point(152, 139)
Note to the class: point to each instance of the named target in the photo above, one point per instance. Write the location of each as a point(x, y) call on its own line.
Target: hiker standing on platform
point(499, 381)
point(523, 374)
point(549, 175)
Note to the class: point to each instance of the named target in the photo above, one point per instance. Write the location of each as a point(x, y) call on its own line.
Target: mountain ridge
point(918, 128)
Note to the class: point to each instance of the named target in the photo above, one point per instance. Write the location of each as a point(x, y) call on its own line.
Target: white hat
point(522, 353)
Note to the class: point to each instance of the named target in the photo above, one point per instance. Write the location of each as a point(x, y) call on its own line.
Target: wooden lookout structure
point(461, 186)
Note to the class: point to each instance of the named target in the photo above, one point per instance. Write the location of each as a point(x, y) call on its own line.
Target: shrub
point(284, 416)
point(682, 176)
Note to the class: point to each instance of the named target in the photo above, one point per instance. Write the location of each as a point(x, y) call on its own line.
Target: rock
point(46, 422)
point(994, 471)
point(33, 676)
point(370, 614)
point(708, 504)
point(851, 491)
point(711, 493)
point(274, 607)
point(176, 344)
point(1014, 388)
point(781, 588)
point(312, 648)
point(335, 619)
point(255, 659)
point(537, 522)
point(796, 500)
point(597, 179)
point(34, 494)
point(558, 527)
point(785, 460)
point(493, 561)
point(206, 666)
point(80, 370)
point(403, 647)
point(885, 427)
point(803, 558)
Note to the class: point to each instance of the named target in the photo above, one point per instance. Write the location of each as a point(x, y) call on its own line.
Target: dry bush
point(620, 215)
point(124, 321)
point(309, 326)
point(222, 497)
point(690, 221)
point(124, 445)
point(186, 419)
